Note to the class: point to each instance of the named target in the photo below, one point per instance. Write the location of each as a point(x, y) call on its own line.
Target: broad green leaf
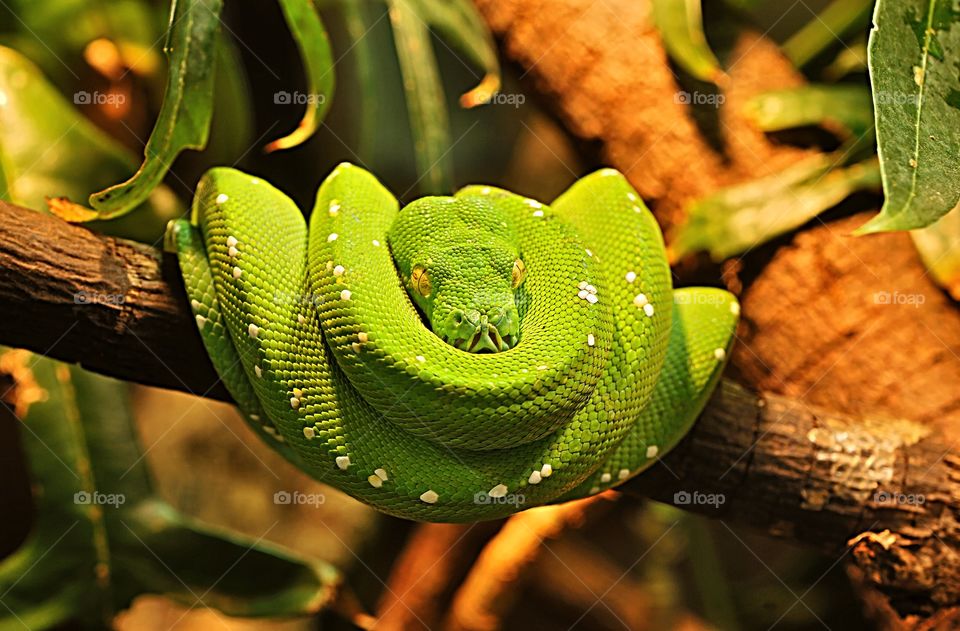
point(826, 28)
point(101, 536)
point(426, 106)
point(458, 23)
point(741, 217)
point(680, 23)
point(913, 54)
point(843, 109)
point(184, 119)
point(48, 149)
point(307, 29)
point(939, 247)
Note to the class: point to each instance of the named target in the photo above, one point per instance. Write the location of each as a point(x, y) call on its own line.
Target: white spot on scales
point(498, 491)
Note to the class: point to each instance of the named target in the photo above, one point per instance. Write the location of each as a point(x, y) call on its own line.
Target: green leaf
point(913, 54)
point(184, 119)
point(458, 23)
point(741, 217)
point(232, 124)
point(680, 23)
point(851, 59)
point(48, 149)
point(426, 106)
point(307, 28)
point(360, 20)
point(827, 28)
point(939, 247)
point(843, 109)
point(101, 536)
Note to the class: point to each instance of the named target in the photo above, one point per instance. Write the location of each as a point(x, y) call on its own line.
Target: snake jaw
point(487, 338)
point(474, 333)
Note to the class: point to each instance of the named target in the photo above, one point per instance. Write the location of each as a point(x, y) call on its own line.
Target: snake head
point(463, 269)
point(467, 296)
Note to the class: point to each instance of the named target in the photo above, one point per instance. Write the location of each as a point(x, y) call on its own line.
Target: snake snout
point(475, 333)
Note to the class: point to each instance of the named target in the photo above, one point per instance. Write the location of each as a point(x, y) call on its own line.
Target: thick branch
point(113, 306)
point(769, 461)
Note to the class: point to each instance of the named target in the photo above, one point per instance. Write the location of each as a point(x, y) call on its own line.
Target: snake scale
point(461, 358)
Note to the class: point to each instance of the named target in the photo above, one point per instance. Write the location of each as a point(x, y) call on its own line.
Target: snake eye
point(420, 280)
point(518, 274)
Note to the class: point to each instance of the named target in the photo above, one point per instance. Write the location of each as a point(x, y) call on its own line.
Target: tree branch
point(886, 491)
point(116, 307)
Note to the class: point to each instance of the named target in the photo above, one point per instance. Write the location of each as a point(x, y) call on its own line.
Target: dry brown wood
point(496, 578)
point(781, 464)
point(434, 561)
point(116, 307)
point(607, 76)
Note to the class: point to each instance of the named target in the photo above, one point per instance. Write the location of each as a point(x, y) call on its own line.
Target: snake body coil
point(348, 347)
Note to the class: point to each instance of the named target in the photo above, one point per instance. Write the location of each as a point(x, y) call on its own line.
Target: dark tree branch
point(118, 308)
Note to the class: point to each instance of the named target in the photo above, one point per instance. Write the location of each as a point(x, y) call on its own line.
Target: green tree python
point(461, 358)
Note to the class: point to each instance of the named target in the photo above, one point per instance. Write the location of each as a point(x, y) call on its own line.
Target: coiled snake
point(459, 359)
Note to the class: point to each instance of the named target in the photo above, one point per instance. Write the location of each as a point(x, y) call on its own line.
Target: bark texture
point(606, 75)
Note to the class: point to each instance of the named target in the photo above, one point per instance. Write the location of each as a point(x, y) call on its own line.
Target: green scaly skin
point(343, 357)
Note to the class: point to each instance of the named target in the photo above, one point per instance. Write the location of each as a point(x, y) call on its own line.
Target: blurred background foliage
point(672, 569)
